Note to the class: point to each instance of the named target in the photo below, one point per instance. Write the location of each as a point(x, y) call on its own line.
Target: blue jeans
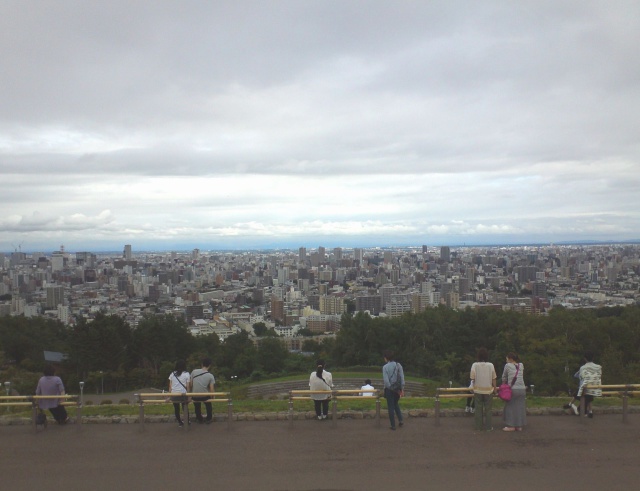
point(393, 406)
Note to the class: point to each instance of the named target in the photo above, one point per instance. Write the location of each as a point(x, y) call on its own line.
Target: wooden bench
point(165, 398)
point(449, 393)
point(336, 395)
point(624, 391)
point(32, 402)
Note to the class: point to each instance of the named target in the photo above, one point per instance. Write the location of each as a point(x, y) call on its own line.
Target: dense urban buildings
point(225, 292)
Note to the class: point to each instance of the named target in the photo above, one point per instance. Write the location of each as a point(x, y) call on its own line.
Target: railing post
point(378, 410)
point(625, 405)
point(334, 411)
point(229, 411)
point(140, 411)
point(80, 405)
point(34, 415)
point(290, 409)
point(437, 408)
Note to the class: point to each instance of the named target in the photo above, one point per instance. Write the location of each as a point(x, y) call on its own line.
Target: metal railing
point(624, 391)
point(167, 398)
point(449, 393)
point(32, 402)
point(335, 397)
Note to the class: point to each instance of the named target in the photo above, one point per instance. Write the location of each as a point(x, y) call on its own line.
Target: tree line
point(438, 343)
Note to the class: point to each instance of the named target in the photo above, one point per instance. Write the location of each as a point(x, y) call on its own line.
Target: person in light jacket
point(393, 377)
point(321, 380)
point(590, 374)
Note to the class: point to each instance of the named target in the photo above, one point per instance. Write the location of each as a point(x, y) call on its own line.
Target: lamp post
point(81, 393)
point(102, 381)
point(531, 387)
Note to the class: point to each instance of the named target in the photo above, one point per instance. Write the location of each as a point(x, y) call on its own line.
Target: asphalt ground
point(553, 452)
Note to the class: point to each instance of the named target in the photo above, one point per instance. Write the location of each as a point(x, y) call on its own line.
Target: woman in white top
point(321, 380)
point(178, 383)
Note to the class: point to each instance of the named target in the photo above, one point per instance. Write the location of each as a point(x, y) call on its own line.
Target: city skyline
point(227, 126)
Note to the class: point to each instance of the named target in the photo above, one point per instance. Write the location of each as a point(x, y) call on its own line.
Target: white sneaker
point(467, 409)
point(324, 416)
point(473, 410)
point(575, 409)
point(319, 417)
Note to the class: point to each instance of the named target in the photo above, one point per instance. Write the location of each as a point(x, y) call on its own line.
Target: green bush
point(106, 402)
point(124, 401)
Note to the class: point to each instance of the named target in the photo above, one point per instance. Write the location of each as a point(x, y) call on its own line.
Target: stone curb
point(310, 415)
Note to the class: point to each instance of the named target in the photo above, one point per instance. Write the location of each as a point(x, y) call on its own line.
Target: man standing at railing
point(202, 381)
point(50, 385)
point(393, 377)
point(590, 374)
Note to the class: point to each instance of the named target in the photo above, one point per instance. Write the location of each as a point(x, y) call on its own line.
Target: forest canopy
point(438, 343)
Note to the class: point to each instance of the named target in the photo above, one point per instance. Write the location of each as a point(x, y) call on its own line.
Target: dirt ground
point(553, 452)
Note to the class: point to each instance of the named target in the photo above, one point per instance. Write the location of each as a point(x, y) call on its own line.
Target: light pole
point(102, 381)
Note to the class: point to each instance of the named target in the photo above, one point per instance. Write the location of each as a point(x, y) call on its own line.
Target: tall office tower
point(302, 254)
point(358, 255)
point(322, 253)
point(445, 254)
point(277, 309)
point(126, 254)
point(55, 296)
point(385, 292)
point(337, 253)
point(471, 274)
point(425, 250)
point(463, 286)
point(195, 254)
point(57, 262)
point(388, 256)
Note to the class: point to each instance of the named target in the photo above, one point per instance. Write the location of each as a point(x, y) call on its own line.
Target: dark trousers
point(177, 402)
point(393, 406)
point(198, 409)
point(59, 414)
point(321, 407)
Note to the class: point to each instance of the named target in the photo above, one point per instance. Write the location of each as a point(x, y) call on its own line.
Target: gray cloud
point(408, 120)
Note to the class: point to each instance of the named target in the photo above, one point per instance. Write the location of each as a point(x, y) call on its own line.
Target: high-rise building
point(302, 254)
point(55, 296)
point(445, 254)
point(358, 255)
point(126, 254)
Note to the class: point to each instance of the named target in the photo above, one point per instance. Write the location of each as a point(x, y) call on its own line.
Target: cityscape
point(306, 291)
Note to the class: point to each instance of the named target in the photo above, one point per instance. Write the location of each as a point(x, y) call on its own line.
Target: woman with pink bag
point(515, 409)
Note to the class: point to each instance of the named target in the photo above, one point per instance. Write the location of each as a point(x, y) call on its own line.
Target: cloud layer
point(254, 124)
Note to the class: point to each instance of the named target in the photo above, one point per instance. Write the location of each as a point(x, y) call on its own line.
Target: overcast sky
point(237, 124)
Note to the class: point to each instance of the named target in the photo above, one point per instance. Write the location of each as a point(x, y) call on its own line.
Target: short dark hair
point(483, 354)
point(368, 381)
point(588, 356)
point(388, 354)
point(206, 362)
point(513, 356)
point(49, 370)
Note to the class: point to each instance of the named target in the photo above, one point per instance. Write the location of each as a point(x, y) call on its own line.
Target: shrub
point(124, 401)
point(106, 401)
point(88, 403)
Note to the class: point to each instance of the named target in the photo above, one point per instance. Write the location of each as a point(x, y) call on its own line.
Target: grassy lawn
point(256, 406)
point(242, 405)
